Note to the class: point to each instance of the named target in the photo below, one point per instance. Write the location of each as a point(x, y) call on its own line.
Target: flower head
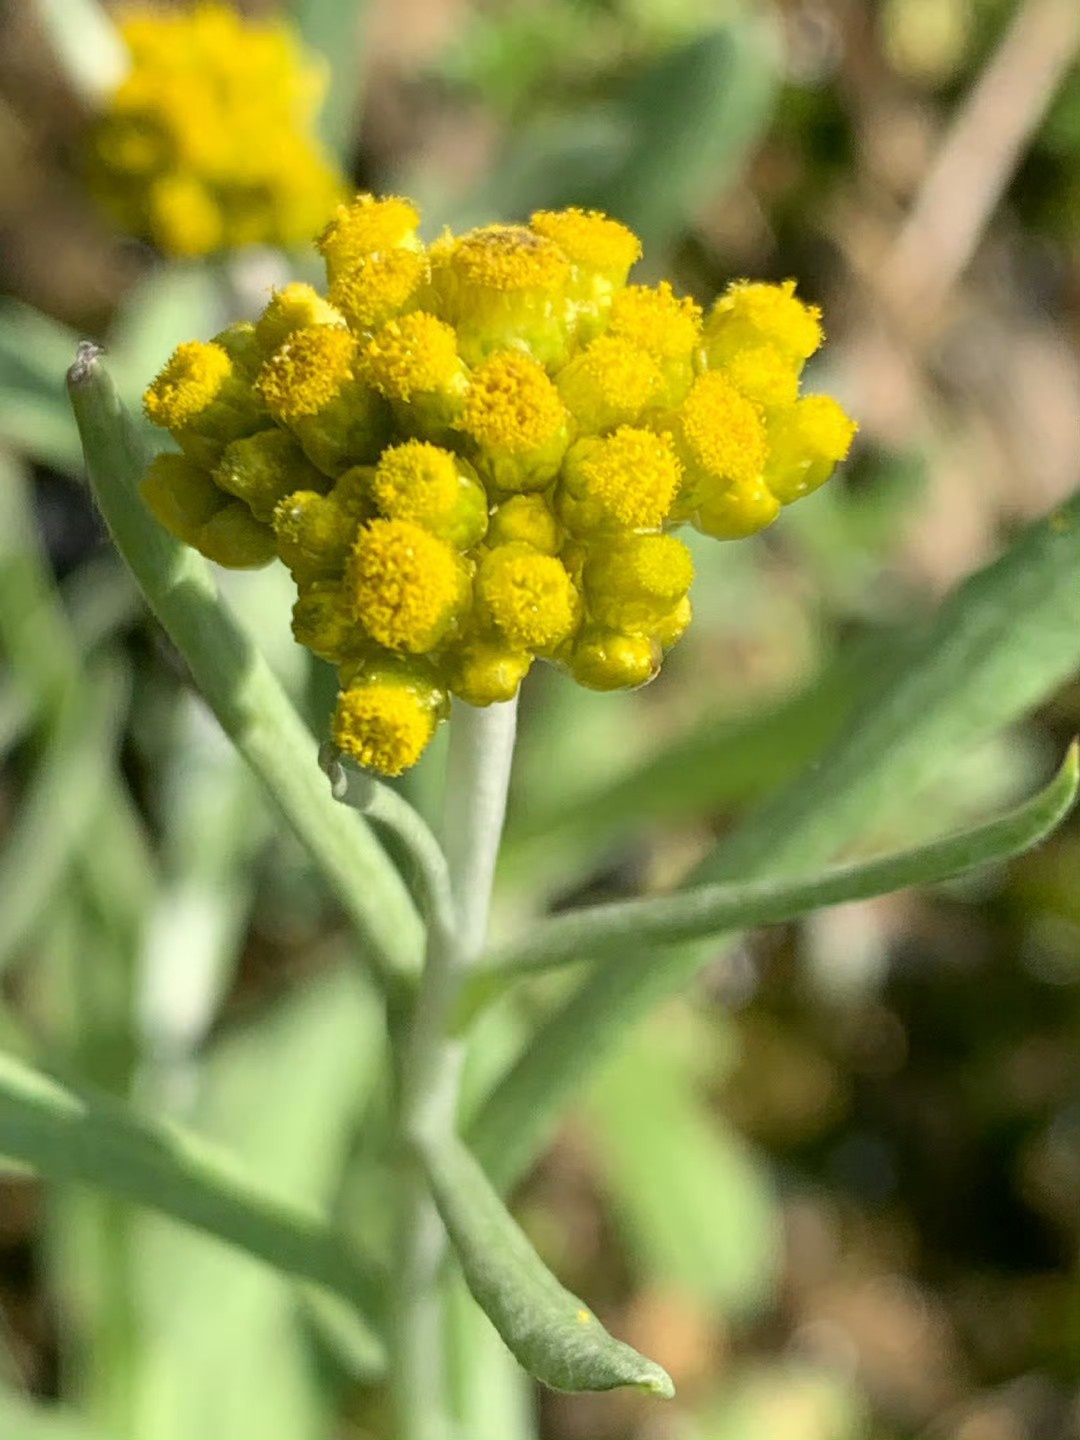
point(473, 455)
point(406, 587)
point(208, 142)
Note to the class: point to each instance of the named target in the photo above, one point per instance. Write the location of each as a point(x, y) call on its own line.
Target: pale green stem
point(478, 773)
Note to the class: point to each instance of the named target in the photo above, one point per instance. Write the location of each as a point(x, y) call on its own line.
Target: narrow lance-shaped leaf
point(550, 1332)
point(62, 801)
point(711, 909)
point(236, 681)
point(85, 1135)
point(1002, 642)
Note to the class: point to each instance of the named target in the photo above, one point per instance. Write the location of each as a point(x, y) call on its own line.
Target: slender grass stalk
point(478, 773)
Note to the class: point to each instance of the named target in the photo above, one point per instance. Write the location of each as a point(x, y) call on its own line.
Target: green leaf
point(712, 909)
point(676, 136)
point(34, 417)
point(63, 798)
point(550, 1332)
point(1000, 644)
point(717, 763)
point(490, 1394)
point(332, 28)
point(313, 1053)
point(237, 683)
point(77, 1133)
point(696, 114)
point(997, 647)
point(698, 1211)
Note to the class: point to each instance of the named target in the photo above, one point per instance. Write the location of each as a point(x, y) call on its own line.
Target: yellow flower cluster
point(208, 142)
point(472, 454)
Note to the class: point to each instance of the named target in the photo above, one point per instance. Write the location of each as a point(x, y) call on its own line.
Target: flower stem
point(481, 752)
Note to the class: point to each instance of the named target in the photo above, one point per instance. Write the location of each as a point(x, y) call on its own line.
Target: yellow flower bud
point(624, 481)
point(503, 287)
point(603, 659)
point(408, 589)
point(674, 624)
point(189, 383)
point(485, 672)
point(181, 495)
point(234, 538)
point(633, 583)
point(609, 383)
point(519, 424)
point(666, 326)
point(309, 385)
point(307, 372)
point(376, 287)
point(387, 715)
point(753, 313)
point(241, 344)
point(433, 487)
point(764, 374)
point(414, 363)
point(202, 400)
point(526, 519)
point(323, 622)
point(314, 535)
point(526, 598)
point(262, 469)
point(368, 226)
point(601, 252)
point(806, 443)
point(720, 437)
point(744, 508)
point(295, 306)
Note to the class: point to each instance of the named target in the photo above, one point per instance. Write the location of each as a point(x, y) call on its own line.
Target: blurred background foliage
point(835, 1188)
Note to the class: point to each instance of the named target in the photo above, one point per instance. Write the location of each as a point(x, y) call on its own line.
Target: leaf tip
point(85, 364)
point(655, 1380)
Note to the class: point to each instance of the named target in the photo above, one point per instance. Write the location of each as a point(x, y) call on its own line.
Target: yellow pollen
point(405, 585)
point(374, 287)
point(591, 239)
point(724, 431)
point(384, 726)
point(657, 320)
point(773, 312)
point(307, 372)
point(826, 431)
point(764, 373)
point(189, 382)
point(633, 475)
point(529, 597)
point(367, 226)
point(416, 353)
point(660, 565)
point(295, 306)
point(512, 407)
point(610, 383)
point(508, 257)
point(414, 480)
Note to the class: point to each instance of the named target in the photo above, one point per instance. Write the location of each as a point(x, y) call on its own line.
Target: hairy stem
point(481, 751)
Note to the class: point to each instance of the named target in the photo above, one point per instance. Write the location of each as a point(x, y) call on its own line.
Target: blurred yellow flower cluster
point(208, 143)
point(472, 454)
